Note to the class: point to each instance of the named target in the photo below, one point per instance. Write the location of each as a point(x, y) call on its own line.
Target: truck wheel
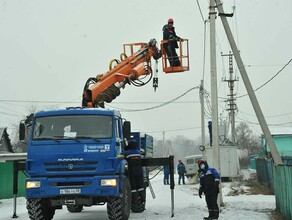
point(74, 208)
point(118, 208)
point(138, 201)
point(39, 209)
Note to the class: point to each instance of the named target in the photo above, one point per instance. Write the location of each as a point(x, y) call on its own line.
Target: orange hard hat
point(200, 162)
point(170, 20)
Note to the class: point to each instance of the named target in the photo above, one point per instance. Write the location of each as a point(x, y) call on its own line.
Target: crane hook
point(155, 78)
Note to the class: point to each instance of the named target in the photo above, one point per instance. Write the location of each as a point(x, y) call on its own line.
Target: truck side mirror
point(127, 129)
point(21, 131)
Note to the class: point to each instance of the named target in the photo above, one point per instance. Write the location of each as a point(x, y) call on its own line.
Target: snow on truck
point(76, 156)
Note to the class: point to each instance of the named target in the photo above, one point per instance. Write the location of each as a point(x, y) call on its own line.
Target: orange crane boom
point(106, 87)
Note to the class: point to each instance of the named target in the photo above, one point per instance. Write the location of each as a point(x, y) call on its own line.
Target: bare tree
point(180, 147)
point(247, 143)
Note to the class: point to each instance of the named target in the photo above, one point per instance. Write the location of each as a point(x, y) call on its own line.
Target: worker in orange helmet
point(170, 47)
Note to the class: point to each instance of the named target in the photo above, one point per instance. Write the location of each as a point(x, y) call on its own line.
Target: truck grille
point(69, 166)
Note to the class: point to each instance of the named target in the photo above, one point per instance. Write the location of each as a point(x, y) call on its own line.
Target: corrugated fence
point(264, 169)
point(279, 179)
point(283, 190)
point(6, 181)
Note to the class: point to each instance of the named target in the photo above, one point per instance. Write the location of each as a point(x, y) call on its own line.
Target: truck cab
point(75, 159)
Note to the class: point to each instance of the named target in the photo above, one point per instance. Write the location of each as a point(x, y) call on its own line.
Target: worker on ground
point(166, 175)
point(209, 185)
point(170, 47)
point(181, 170)
point(133, 156)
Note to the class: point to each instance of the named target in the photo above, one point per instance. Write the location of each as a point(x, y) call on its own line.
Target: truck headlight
point(33, 184)
point(108, 182)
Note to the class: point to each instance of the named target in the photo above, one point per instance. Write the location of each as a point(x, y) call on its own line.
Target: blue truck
point(75, 159)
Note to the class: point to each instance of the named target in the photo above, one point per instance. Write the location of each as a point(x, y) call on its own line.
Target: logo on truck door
point(96, 148)
point(70, 166)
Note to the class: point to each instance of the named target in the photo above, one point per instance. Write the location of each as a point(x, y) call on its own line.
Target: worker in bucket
point(209, 185)
point(170, 47)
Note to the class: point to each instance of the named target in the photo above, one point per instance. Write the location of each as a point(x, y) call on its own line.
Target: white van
point(191, 164)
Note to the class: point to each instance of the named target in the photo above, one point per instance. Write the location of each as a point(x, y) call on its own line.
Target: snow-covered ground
point(187, 205)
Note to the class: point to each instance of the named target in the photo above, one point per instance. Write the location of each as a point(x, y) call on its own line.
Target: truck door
point(119, 136)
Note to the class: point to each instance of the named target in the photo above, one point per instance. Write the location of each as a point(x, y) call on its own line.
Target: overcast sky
point(50, 47)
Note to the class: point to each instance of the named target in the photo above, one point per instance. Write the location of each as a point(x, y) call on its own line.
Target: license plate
point(70, 191)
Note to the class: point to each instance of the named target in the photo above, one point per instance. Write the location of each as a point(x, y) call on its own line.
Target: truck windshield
point(73, 127)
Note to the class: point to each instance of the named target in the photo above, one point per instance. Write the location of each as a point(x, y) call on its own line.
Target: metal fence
point(283, 190)
point(6, 181)
point(264, 169)
point(279, 179)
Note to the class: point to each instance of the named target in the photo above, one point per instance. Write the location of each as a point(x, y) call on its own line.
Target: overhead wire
point(173, 130)
point(11, 110)
point(157, 106)
point(270, 124)
point(38, 101)
point(204, 40)
point(265, 83)
point(199, 6)
point(204, 50)
point(10, 114)
point(271, 116)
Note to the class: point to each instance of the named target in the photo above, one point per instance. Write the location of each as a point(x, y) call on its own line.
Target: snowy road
point(187, 206)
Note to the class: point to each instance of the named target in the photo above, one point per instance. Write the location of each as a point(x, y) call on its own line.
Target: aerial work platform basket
point(182, 56)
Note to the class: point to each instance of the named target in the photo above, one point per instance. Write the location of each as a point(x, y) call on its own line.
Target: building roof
point(276, 130)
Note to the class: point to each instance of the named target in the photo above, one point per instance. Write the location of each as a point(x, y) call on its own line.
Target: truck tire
point(138, 201)
point(74, 208)
point(39, 209)
point(118, 208)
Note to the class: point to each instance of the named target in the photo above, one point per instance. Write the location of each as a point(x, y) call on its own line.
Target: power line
point(261, 65)
point(270, 124)
point(10, 110)
point(10, 114)
point(173, 130)
point(270, 116)
point(269, 79)
point(265, 82)
point(57, 102)
point(157, 106)
point(200, 11)
point(180, 102)
point(26, 101)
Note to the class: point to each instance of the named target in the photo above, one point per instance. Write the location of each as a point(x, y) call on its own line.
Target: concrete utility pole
point(214, 92)
point(275, 154)
point(165, 150)
point(231, 100)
